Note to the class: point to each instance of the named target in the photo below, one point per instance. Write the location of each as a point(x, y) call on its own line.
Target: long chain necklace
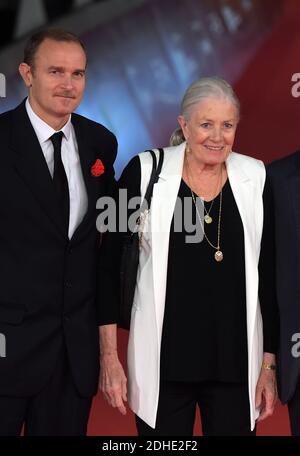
point(207, 217)
point(218, 254)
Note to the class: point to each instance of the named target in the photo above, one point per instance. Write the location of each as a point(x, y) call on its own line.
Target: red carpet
point(105, 420)
point(269, 129)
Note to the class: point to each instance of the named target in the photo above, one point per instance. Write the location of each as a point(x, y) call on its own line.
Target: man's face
point(56, 81)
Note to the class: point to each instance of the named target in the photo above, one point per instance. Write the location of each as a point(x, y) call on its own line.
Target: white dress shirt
point(71, 162)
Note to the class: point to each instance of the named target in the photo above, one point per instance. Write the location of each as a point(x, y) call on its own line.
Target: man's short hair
point(55, 34)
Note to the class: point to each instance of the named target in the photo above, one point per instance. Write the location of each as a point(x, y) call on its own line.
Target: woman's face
point(210, 130)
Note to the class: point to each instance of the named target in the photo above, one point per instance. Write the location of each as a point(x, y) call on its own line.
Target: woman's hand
point(266, 389)
point(113, 382)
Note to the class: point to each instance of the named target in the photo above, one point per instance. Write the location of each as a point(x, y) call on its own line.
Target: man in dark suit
point(54, 167)
point(284, 177)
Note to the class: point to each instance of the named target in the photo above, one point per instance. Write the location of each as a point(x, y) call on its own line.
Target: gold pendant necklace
point(218, 256)
point(208, 218)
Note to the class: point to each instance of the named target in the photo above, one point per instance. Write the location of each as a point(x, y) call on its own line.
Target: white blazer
point(247, 177)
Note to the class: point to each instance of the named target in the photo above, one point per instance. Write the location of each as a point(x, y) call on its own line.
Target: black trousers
point(57, 409)
point(224, 409)
point(294, 411)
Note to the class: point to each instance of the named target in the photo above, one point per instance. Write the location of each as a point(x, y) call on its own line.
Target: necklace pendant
point(208, 218)
point(218, 256)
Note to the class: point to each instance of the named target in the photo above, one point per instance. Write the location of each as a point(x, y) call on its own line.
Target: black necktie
point(60, 180)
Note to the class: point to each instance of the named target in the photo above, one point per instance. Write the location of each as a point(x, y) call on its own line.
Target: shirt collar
point(42, 129)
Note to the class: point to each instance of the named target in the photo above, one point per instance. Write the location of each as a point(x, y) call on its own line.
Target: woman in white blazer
point(201, 302)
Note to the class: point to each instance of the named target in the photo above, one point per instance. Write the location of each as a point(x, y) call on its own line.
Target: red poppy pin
point(98, 168)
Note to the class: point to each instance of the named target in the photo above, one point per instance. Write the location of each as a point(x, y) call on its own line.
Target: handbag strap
point(153, 177)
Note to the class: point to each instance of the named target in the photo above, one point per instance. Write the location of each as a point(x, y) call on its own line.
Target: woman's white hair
point(203, 88)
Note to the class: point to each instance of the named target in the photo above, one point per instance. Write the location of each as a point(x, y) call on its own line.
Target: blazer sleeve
point(108, 280)
point(267, 284)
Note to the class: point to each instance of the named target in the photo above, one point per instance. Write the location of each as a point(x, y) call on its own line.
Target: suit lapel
point(31, 165)
point(33, 169)
point(87, 158)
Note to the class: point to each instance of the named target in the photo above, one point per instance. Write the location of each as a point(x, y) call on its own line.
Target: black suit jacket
point(284, 178)
point(48, 283)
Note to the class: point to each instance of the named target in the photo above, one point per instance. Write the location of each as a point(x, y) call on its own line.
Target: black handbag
point(131, 250)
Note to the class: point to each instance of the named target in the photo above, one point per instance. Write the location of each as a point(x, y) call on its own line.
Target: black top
point(205, 315)
point(204, 330)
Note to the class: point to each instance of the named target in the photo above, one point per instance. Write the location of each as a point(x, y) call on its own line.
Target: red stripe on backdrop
point(269, 129)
